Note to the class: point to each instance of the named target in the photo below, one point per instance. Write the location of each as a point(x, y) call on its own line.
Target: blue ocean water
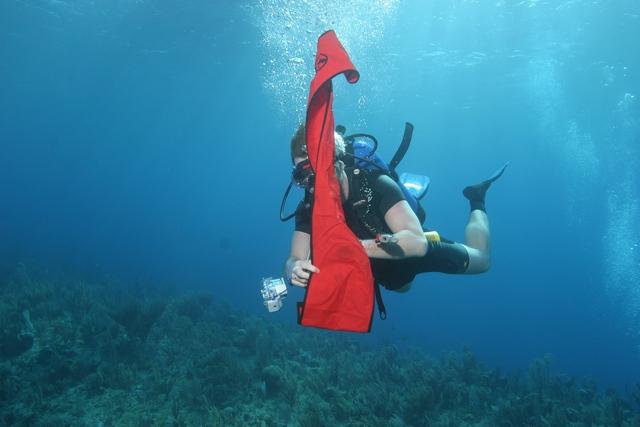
point(148, 141)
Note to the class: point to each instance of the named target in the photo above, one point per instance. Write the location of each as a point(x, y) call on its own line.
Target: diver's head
point(299, 145)
point(302, 173)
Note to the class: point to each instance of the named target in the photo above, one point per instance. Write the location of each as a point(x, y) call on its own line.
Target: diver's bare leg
point(478, 242)
point(477, 232)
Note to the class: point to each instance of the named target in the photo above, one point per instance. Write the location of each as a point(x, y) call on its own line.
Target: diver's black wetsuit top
point(444, 256)
point(385, 194)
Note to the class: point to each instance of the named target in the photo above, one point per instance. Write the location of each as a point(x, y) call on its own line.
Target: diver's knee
point(479, 262)
point(484, 265)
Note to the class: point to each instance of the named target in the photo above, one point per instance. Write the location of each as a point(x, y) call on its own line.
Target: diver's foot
point(476, 193)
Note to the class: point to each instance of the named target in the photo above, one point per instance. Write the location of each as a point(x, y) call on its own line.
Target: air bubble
point(289, 35)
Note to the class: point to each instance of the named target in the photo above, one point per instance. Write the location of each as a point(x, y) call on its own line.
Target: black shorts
point(443, 257)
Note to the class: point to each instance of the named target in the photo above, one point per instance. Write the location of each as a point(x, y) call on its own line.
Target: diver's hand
point(301, 271)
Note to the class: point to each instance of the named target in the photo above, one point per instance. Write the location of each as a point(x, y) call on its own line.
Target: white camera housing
point(274, 291)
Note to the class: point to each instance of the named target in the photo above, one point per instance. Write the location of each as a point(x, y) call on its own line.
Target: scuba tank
point(361, 156)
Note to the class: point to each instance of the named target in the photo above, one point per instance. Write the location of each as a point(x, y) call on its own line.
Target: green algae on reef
point(78, 354)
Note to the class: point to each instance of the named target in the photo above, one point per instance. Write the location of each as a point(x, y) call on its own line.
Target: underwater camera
point(273, 291)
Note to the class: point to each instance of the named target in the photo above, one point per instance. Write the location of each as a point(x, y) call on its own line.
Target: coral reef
point(98, 354)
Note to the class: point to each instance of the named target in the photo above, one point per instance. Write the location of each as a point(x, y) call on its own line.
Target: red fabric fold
point(341, 296)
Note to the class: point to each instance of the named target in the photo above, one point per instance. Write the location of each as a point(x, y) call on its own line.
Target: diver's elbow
point(422, 246)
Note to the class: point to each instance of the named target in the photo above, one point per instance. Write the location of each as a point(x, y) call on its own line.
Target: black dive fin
point(498, 173)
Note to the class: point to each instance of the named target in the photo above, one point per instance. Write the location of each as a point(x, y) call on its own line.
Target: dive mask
point(302, 174)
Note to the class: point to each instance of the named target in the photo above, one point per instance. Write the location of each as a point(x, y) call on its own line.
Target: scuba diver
point(384, 212)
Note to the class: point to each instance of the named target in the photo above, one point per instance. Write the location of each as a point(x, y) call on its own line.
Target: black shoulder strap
point(361, 198)
point(382, 311)
point(355, 184)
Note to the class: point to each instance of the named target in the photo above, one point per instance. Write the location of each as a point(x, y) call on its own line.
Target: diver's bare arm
point(298, 268)
point(407, 240)
point(300, 246)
